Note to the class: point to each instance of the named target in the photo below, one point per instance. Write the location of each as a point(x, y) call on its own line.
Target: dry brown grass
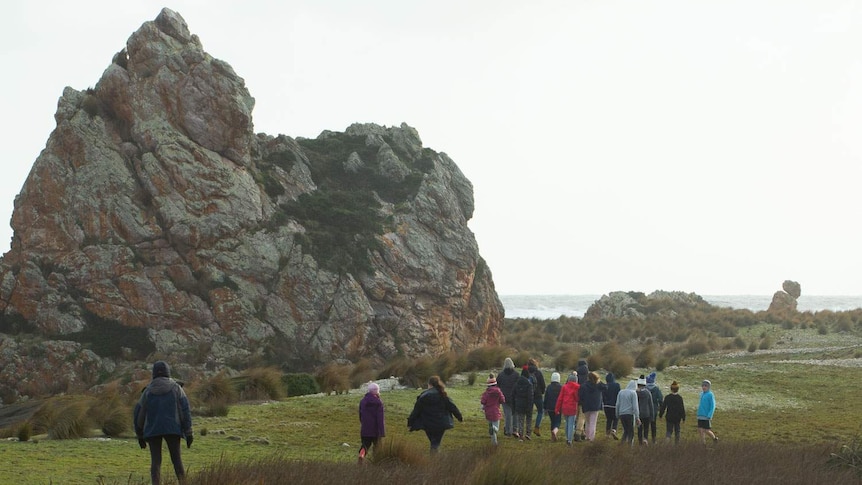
point(600, 462)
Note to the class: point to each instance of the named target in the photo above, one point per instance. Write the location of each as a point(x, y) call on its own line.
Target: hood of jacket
point(632, 385)
point(162, 385)
point(610, 379)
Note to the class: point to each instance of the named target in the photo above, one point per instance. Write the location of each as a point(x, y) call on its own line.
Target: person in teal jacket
point(163, 413)
point(705, 410)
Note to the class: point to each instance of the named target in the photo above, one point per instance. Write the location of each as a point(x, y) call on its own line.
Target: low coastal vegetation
point(784, 386)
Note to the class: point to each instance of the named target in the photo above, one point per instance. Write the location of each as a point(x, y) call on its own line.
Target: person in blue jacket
point(705, 410)
point(163, 413)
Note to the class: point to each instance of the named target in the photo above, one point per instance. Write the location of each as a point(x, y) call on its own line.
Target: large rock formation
point(784, 300)
point(622, 304)
point(157, 221)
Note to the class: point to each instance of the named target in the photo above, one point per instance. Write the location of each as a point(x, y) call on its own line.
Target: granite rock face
point(156, 221)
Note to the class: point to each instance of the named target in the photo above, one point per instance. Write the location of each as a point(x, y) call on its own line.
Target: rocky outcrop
point(156, 221)
point(784, 300)
point(621, 304)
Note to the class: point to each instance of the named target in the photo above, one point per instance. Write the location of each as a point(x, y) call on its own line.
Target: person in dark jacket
point(163, 413)
point(674, 406)
point(590, 398)
point(538, 392)
point(506, 382)
point(609, 398)
point(372, 425)
point(646, 410)
point(657, 399)
point(433, 412)
point(523, 405)
point(582, 371)
point(551, 394)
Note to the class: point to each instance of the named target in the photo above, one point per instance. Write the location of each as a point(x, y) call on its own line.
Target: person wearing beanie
point(567, 405)
point(372, 423)
point(705, 411)
point(657, 398)
point(550, 402)
point(674, 406)
point(163, 414)
point(646, 410)
point(506, 382)
point(523, 405)
point(590, 398)
point(491, 400)
point(609, 404)
point(628, 411)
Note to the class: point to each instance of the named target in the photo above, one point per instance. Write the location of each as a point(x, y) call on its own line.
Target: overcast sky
point(705, 146)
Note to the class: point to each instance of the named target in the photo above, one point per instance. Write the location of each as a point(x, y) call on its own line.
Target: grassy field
point(801, 392)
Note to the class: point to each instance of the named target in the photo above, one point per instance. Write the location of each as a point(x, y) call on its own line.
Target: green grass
point(780, 397)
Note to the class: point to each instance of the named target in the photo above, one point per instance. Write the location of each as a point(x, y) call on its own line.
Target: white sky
point(705, 146)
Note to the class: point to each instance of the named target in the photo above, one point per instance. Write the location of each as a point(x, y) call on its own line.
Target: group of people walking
point(511, 397)
point(579, 401)
point(163, 412)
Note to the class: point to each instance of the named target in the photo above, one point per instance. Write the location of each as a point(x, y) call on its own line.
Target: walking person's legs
point(508, 419)
point(155, 445)
point(173, 442)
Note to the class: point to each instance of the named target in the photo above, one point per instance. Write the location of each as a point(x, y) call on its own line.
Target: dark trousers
point(610, 418)
point(155, 444)
point(673, 428)
point(628, 422)
point(367, 443)
point(643, 429)
point(435, 436)
point(652, 428)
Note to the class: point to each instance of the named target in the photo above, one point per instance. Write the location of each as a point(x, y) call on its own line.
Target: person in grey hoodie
point(647, 410)
point(627, 411)
point(506, 381)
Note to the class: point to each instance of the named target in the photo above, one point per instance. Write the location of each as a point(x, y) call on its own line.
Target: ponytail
point(435, 382)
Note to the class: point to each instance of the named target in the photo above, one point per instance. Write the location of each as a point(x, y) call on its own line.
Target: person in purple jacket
point(372, 424)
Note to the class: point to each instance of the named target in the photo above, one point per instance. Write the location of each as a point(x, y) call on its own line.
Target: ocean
point(553, 306)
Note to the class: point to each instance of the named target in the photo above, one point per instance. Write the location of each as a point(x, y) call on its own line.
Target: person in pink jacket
point(491, 400)
point(567, 405)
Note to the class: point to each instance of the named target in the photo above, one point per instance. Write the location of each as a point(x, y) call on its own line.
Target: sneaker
point(516, 436)
point(569, 444)
point(554, 435)
point(528, 438)
point(614, 434)
point(715, 439)
point(536, 432)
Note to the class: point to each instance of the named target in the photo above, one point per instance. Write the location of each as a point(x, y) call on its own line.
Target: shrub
point(361, 373)
point(64, 417)
point(333, 378)
point(25, 430)
point(217, 389)
point(471, 378)
point(487, 357)
point(752, 347)
point(849, 456)
point(395, 451)
point(111, 415)
point(417, 375)
point(300, 384)
point(261, 383)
